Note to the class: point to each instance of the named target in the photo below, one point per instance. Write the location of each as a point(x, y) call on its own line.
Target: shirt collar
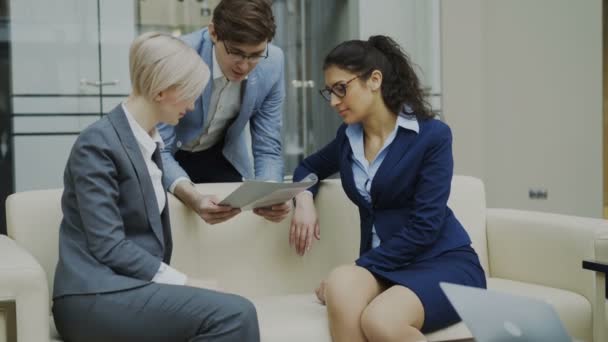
point(217, 71)
point(405, 121)
point(408, 122)
point(145, 141)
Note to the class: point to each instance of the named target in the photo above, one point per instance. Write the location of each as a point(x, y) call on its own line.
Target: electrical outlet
point(538, 193)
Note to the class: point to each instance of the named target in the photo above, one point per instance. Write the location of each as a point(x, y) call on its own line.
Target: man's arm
point(265, 127)
point(172, 171)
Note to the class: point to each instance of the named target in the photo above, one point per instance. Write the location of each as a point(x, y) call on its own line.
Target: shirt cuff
point(169, 275)
point(174, 184)
point(294, 199)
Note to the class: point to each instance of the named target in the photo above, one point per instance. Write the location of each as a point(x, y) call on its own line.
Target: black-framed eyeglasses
point(239, 56)
point(339, 89)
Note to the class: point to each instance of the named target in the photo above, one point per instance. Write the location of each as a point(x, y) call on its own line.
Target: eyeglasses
point(238, 56)
point(339, 89)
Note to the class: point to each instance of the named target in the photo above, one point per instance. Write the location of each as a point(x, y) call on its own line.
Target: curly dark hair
point(400, 84)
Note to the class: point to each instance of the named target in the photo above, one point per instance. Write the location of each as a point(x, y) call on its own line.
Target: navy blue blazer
point(409, 195)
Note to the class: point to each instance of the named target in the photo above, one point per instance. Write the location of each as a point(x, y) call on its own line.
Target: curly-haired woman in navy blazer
point(395, 162)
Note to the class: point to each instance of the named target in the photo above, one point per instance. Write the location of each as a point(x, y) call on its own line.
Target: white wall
point(523, 94)
point(461, 67)
point(413, 24)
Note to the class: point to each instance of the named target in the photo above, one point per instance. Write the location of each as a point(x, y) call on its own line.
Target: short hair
point(159, 61)
point(244, 21)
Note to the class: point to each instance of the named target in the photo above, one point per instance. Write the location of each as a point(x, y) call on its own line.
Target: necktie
point(156, 158)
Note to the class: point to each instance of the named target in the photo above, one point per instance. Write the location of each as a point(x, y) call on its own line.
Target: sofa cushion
point(301, 317)
point(293, 318)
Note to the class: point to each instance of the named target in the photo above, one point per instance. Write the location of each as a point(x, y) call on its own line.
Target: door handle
point(85, 82)
point(303, 83)
point(3, 145)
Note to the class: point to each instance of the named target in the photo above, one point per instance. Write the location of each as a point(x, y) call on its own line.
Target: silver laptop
point(498, 317)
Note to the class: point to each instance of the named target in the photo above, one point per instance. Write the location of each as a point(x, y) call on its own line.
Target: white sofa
point(527, 253)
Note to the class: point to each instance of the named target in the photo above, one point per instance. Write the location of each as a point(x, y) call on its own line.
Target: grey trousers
point(155, 313)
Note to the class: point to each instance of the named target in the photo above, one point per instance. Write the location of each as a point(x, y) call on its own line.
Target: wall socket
point(537, 193)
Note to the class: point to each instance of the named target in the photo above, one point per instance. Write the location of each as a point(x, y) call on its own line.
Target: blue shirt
point(363, 171)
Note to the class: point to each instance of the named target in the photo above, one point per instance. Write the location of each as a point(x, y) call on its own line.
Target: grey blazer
point(112, 236)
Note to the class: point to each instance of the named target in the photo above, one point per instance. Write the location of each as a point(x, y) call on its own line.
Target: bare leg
point(348, 291)
point(395, 315)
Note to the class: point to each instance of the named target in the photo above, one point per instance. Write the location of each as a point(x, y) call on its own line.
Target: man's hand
point(209, 210)
point(275, 213)
point(206, 206)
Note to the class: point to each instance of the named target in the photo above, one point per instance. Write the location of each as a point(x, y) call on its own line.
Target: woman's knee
point(347, 280)
point(374, 324)
point(377, 327)
point(392, 317)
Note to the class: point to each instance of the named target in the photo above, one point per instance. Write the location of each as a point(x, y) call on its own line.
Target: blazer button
point(178, 144)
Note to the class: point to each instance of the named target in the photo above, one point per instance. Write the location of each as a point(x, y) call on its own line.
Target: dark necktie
point(164, 216)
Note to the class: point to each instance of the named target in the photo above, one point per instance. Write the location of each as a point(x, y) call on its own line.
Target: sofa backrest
point(468, 201)
point(247, 255)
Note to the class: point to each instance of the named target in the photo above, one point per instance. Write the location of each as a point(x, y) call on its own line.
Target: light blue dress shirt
point(364, 171)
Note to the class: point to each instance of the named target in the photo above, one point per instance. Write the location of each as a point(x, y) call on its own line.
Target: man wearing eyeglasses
point(208, 145)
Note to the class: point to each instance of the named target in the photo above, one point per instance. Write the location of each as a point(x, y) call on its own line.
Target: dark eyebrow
point(336, 83)
point(241, 52)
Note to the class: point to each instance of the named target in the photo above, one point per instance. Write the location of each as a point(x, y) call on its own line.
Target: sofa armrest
point(23, 281)
point(599, 315)
point(547, 249)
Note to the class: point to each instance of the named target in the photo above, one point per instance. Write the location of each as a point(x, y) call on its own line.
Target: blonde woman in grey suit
point(113, 280)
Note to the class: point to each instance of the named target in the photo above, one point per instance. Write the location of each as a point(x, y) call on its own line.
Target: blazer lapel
point(396, 152)
point(249, 92)
point(207, 55)
point(167, 232)
point(348, 178)
point(119, 120)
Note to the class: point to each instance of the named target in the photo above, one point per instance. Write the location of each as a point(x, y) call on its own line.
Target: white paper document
point(256, 194)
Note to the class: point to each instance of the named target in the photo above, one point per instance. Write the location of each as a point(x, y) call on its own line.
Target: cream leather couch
point(527, 253)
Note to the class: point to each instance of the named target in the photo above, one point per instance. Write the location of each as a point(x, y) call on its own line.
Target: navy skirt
point(458, 266)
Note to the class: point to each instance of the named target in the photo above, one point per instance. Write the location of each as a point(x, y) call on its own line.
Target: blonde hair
point(159, 62)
